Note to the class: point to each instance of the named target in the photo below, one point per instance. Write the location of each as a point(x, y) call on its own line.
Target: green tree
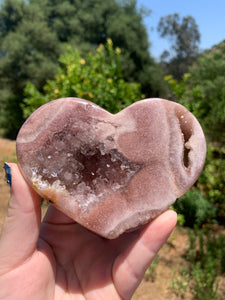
point(184, 37)
point(33, 35)
point(97, 78)
point(28, 50)
point(86, 24)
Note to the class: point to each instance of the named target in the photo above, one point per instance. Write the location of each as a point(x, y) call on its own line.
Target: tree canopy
point(97, 78)
point(33, 35)
point(184, 37)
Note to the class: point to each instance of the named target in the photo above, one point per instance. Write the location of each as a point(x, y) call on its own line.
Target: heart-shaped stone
point(111, 173)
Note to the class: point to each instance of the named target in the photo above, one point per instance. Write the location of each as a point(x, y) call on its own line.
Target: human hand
point(60, 259)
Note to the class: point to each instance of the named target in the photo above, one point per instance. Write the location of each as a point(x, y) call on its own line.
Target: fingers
point(22, 225)
point(130, 266)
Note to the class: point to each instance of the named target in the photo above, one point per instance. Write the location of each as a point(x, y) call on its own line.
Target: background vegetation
point(97, 78)
point(99, 50)
point(34, 34)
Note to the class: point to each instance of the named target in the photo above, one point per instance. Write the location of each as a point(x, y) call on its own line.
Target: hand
point(59, 259)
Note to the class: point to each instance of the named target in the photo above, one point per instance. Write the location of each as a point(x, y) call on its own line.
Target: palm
point(82, 262)
point(59, 259)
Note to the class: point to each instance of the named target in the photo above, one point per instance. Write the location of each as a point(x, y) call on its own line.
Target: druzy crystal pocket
point(111, 173)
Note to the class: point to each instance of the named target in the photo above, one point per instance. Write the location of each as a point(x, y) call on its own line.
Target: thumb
point(21, 229)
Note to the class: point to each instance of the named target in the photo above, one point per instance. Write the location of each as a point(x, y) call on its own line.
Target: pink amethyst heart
point(111, 173)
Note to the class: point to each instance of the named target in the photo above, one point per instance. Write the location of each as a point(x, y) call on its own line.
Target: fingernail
point(8, 174)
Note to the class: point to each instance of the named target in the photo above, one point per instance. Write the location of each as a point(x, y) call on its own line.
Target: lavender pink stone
point(111, 173)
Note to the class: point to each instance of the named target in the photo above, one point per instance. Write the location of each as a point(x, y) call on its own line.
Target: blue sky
point(209, 16)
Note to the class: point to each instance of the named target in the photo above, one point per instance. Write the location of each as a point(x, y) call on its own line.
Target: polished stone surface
point(111, 173)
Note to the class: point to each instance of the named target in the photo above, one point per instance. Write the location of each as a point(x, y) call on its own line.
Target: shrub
point(97, 78)
point(206, 254)
point(212, 180)
point(180, 283)
point(195, 208)
point(206, 285)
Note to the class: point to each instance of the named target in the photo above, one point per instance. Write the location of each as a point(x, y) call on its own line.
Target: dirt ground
point(164, 280)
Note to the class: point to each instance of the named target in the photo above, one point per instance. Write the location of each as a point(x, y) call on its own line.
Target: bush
point(11, 117)
point(195, 208)
point(97, 78)
point(212, 180)
point(206, 257)
point(206, 254)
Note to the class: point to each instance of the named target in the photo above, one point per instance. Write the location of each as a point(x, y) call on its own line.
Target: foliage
point(206, 254)
point(206, 286)
point(97, 78)
point(202, 91)
point(24, 53)
point(85, 24)
point(212, 180)
point(206, 257)
point(10, 116)
point(180, 216)
point(178, 87)
point(195, 208)
point(184, 33)
point(184, 37)
point(180, 283)
point(208, 92)
point(33, 34)
point(180, 219)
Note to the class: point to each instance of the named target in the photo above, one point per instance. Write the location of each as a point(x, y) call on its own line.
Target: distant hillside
point(219, 46)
